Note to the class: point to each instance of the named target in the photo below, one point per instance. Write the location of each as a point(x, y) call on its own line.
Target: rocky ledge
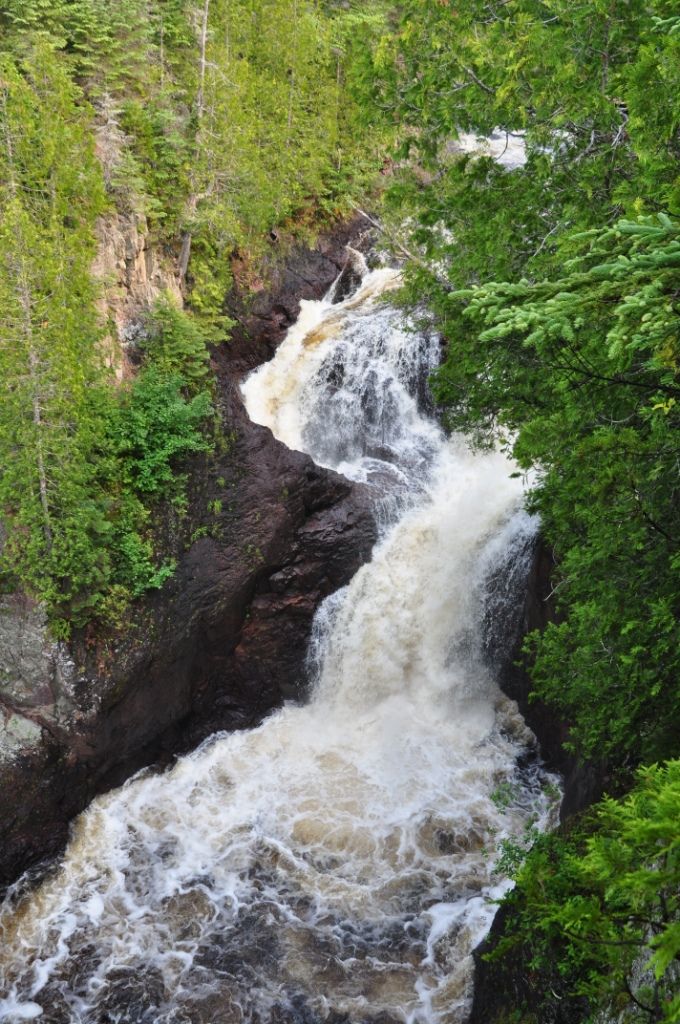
point(225, 641)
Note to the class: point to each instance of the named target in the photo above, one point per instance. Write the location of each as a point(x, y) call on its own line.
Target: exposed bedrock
point(518, 607)
point(223, 643)
point(508, 987)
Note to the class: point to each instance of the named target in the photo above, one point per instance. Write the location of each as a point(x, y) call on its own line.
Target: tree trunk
point(200, 98)
point(38, 422)
point(293, 59)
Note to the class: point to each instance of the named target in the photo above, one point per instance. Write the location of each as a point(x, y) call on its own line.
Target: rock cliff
point(225, 641)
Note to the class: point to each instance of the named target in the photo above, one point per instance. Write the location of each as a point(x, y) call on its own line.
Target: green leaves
point(582, 369)
point(175, 344)
point(599, 906)
point(152, 427)
point(562, 324)
point(215, 137)
point(560, 309)
point(51, 190)
point(82, 464)
point(574, 367)
point(224, 136)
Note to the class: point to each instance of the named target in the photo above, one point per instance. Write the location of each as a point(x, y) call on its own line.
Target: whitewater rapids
point(338, 862)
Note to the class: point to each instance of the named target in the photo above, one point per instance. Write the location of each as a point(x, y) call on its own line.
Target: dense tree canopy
point(555, 284)
point(593, 89)
point(555, 279)
point(216, 121)
point(579, 376)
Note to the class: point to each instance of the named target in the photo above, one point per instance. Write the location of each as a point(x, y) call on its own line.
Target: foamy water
point(336, 863)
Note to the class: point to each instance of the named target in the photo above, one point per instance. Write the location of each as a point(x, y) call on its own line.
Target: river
point(339, 862)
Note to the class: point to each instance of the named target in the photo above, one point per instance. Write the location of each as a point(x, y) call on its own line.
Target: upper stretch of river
point(336, 863)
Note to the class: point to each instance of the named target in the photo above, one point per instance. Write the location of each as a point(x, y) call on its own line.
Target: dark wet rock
point(225, 640)
point(508, 987)
point(264, 311)
point(518, 605)
point(351, 277)
point(27, 667)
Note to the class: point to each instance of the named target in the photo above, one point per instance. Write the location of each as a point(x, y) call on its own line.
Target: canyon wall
point(225, 640)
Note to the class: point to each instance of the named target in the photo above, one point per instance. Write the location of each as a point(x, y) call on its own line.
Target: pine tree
point(52, 191)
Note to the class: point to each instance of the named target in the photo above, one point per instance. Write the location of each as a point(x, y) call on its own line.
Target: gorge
point(336, 862)
point(339, 511)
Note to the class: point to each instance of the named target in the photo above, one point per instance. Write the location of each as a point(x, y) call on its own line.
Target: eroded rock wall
point(509, 988)
point(133, 274)
point(225, 641)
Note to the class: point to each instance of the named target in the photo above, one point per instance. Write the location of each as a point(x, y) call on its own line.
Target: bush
point(600, 907)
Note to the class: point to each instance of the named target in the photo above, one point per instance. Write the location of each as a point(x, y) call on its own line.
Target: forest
point(185, 115)
point(554, 280)
point(556, 286)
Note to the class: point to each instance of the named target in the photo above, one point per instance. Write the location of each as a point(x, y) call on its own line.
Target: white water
point(343, 387)
point(336, 863)
point(507, 148)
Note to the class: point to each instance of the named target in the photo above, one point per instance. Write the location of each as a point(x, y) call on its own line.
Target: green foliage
point(152, 426)
point(103, 551)
point(106, 43)
point(50, 194)
point(600, 908)
point(175, 344)
point(275, 129)
point(215, 119)
point(218, 118)
point(82, 464)
point(562, 316)
point(581, 372)
point(592, 87)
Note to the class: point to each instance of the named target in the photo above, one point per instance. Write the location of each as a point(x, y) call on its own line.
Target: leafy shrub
point(175, 344)
point(152, 427)
point(599, 908)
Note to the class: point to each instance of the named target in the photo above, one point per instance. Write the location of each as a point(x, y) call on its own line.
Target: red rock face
point(225, 641)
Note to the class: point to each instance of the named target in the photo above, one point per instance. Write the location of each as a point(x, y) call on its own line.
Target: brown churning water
point(336, 863)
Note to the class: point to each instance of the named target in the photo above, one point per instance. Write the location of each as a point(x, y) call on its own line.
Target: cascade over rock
point(338, 862)
point(223, 642)
point(399, 670)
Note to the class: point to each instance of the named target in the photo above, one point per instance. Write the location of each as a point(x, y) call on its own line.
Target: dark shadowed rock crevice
point(531, 607)
point(225, 641)
point(509, 988)
point(510, 991)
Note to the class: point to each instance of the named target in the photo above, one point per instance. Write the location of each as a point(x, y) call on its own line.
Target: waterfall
point(337, 863)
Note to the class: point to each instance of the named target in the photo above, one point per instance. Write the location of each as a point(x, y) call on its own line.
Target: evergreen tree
point(51, 192)
point(563, 330)
point(214, 118)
